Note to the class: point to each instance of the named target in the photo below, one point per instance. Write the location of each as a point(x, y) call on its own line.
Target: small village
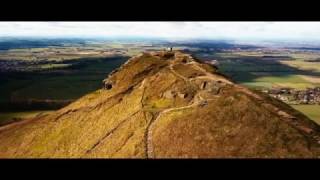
point(293, 96)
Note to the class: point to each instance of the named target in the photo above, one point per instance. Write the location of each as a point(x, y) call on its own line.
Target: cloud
point(233, 30)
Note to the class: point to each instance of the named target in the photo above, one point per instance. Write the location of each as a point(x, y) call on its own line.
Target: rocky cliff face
point(166, 105)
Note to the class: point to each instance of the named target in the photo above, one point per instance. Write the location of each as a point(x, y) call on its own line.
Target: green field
point(276, 80)
point(257, 69)
point(64, 84)
point(311, 111)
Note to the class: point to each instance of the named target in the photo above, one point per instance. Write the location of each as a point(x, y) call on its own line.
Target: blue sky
point(174, 30)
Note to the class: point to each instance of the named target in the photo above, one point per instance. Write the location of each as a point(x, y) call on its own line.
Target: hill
point(166, 105)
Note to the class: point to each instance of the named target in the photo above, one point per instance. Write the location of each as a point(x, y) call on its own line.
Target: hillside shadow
point(248, 69)
point(54, 89)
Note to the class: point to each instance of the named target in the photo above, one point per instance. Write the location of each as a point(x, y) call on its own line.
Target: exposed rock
point(182, 95)
point(203, 85)
point(169, 94)
point(107, 84)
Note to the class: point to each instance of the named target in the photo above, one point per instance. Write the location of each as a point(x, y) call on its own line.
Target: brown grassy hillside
point(165, 105)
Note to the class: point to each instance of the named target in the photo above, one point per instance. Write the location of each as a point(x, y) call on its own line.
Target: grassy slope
point(241, 72)
point(220, 132)
point(116, 123)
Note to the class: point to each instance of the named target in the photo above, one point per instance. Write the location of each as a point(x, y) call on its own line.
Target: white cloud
point(234, 30)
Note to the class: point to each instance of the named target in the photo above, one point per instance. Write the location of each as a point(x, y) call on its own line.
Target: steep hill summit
point(166, 105)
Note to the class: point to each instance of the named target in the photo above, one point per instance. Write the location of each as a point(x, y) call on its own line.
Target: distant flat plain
point(69, 71)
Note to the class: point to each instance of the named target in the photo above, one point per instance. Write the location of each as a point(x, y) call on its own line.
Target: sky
point(171, 30)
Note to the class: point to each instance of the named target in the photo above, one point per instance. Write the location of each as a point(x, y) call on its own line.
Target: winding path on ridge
point(196, 102)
